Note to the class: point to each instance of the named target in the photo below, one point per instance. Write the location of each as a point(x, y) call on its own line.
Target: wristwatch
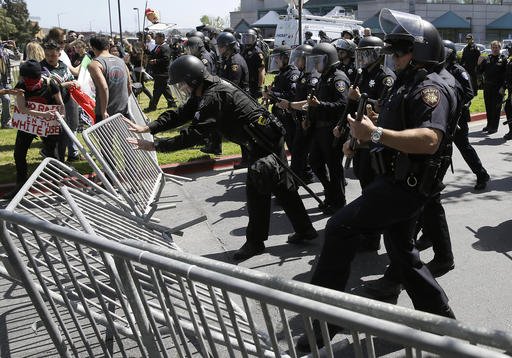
point(376, 134)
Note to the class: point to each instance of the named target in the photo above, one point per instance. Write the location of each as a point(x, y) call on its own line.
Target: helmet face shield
point(366, 56)
point(181, 91)
point(248, 39)
point(275, 62)
point(298, 59)
point(399, 23)
point(316, 63)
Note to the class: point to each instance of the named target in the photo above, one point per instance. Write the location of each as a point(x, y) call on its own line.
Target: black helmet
point(450, 52)
point(299, 54)
point(194, 45)
point(308, 33)
point(196, 34)
point(348, 32)
point(403, 29)
point(226, 39)
point(249, 38)
point(323, 56)
point(280, 57)
point(188, 69)
point(346, 45)
point(368, 51)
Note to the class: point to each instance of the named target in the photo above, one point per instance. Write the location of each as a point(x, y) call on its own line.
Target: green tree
point(216, 22)
point(6, 25)
point(17, 11)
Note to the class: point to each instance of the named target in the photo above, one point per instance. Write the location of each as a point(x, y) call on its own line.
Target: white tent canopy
point(269, 19)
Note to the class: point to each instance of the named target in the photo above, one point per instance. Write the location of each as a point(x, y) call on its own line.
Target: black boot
point(248, 250)
point(299, 237)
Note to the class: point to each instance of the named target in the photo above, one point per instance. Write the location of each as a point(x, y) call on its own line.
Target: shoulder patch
point(465, 75)
point(294, 78)
point(313, 81)
point(340, 86)
point(430, 96)
point(234, 67)
point(388, 81)
point(205, 61)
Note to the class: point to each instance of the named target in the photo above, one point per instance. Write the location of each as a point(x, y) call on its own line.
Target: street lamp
point(138, 17)
point(58, 17)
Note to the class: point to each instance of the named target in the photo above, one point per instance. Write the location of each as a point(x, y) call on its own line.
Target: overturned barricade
point(169, 303)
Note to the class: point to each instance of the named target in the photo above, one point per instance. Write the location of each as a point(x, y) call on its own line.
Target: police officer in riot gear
point(305, 85)
point(309, 41)
point(195, 47)
point(408, 142)
point(347, 35)
point(460, 138)
point(376, 80)
point(324, 110)
point(346, 52)
point(493, 70)
point(233, 67)
point(283, 87)
point(253, 55)
point(176, 46)
point(218, 105)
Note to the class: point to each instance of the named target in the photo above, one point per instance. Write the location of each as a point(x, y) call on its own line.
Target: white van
point(287, 31)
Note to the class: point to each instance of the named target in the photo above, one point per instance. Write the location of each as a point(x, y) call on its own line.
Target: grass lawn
point(8, 137)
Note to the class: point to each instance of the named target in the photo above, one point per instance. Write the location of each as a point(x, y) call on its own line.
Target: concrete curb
point(203, 165)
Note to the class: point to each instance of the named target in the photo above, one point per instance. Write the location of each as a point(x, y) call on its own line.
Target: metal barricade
point(134, 173)
point(177, 299)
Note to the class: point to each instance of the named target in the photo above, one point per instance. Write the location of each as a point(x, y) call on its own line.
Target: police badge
point(340, 86)
point(430, 96)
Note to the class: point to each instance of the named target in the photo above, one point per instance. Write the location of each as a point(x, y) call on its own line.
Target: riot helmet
point(323, 56)
point(249, 38)
point(194, 46)
point(225, 41)
point(279, 58)
point(196, 34)
point(348, 46)
point(450, 52)
point(402, 29)
point(298, 56)
point(308, 34)
point(186, 73)
point(368, 51)
point(348, 33)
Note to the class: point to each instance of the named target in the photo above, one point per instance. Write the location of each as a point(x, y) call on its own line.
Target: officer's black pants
point(160, 87)
point(392, 208)
point(461, 141)
point(493, 100)
point(21, 146)
point(301, 148)
point(322, 154)
point(362, 167)
point(259, 203)
point(474, 81)
point(508, 110)
point(289, 126)
point(434, 226)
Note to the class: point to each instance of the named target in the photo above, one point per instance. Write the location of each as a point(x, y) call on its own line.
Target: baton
point(359, 117)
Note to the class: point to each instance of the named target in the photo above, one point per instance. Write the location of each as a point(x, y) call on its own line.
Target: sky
point(93, 14)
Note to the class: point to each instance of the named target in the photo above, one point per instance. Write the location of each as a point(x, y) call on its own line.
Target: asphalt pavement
point(480, 225)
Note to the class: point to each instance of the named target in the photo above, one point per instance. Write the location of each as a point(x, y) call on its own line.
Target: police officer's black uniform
point(469, 60)
point(460, 138)
point(306, 84)
point(225, 108)
point(332, 90)
point(349, 69)
point(493, 69)
point(234, 68)
point(284, 86)
point(393, 201)
point(255, 62)
point(160, 72)
point(208, 61)
point(347, 65)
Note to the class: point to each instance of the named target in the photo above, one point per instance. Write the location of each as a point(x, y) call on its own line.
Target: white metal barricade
point(172, 296)
point(134, 173)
